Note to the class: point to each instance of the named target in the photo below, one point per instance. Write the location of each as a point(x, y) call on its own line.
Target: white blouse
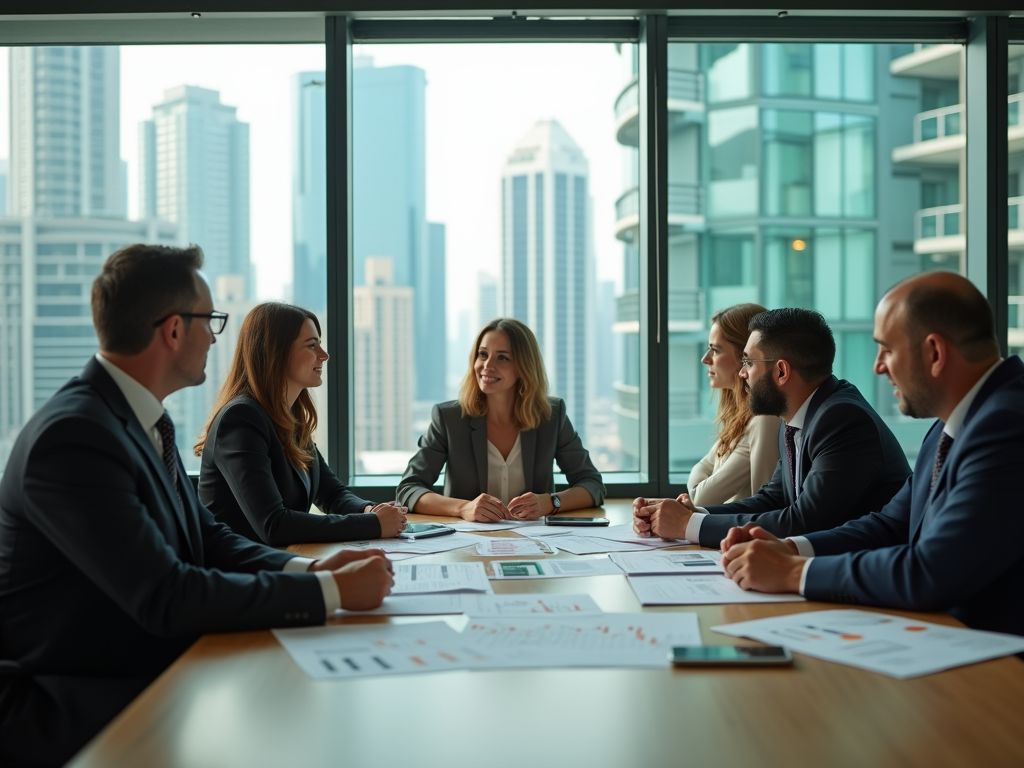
point(505, 477)
point(737, 475)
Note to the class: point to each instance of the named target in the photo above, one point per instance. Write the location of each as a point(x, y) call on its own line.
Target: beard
point(915, 400)
point(766, 399)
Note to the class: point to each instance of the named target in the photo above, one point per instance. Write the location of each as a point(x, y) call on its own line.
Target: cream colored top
point(505, 477)
point(737, 475)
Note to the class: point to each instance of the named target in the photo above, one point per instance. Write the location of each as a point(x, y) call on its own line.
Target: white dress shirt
point(951, 427)
point(505, 477)
point(148, 410)
point(693, 526)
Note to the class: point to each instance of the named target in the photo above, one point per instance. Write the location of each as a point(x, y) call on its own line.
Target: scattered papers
point(552, 569)
point(664, 563)
point(344, 652)
point(624, 533)
point(417, 579)
point(610, 640)
point(698, 590)
point(878, 642)
point(483, 605)
point(503, 525)
point(594, 545)
point(517, 547)
point(427, 546)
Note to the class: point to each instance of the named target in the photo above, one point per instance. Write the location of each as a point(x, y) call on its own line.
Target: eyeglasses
point(217, 320)
point(746, 362)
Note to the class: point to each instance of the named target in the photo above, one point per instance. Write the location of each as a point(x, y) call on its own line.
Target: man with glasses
point(838, 459)
point(949, 540)
point(109, 565)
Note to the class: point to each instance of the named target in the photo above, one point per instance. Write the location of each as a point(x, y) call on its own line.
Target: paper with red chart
point(878, 642)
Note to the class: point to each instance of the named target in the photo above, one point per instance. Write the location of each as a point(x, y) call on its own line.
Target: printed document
point(418, 579)
point(707, 589)
point(553, 569)
point(482, 605)
point(513, 547)
point(427, 546)
point(502, 525)
point(664, 563)
point(878, 642)
point(593, 545)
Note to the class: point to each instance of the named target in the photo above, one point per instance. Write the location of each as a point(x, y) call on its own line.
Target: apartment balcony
point(939, 62)
point(1015, 222)
point(685, 105)
point(685, 211)
point(685, 311)
point(682, 404)
point(1015, 336)
point(941, 229)
point(939, 137)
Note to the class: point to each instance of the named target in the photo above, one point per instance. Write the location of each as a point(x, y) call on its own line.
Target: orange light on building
point(799, 245)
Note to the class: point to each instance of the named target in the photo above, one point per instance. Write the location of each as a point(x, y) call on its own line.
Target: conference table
point(240, 700)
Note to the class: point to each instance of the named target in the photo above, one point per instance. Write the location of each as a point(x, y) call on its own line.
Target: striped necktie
point(170, 452)
point(945, 443)
point(791, 454)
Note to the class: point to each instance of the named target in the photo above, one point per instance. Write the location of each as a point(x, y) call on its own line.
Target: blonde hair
point(260, 369)
point(733, 409)
point(531, 407)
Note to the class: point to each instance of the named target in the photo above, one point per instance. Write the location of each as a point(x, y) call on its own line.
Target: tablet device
point(424, 530)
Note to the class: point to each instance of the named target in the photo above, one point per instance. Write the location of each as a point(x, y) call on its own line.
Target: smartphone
point(740, 655)
point(587, 521)
point(424, 530)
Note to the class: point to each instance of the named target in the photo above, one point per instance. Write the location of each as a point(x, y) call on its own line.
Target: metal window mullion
point(819, 29)
point(338, 76)
point(987, 163)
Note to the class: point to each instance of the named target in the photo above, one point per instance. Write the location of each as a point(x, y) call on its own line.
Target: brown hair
point(532, 407)
point(138, 285)
point(733, 411)
point(260, 368)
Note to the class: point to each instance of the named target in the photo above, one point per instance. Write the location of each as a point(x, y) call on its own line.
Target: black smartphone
point(424, 530)
point(740, 655)
point(587, 521)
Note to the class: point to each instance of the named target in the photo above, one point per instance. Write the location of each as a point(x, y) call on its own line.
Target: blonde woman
point(499, 440)
point(746, 451)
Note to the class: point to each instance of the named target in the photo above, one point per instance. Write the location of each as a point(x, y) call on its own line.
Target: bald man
point(953, 538)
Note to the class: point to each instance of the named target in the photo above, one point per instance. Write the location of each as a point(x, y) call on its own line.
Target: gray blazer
point(461, 443)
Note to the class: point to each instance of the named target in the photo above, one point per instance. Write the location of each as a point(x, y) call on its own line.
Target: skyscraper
point(309, 191)
point(194, 171)
point(545, 246)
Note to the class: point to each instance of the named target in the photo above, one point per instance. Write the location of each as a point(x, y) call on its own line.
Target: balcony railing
point(684, 305)
point(1016, 313)
point(683, 199)
point(937, 123)
point(1013, 109)
point(941, 221)
point(683, 85)
point(629, 99)
point(1013, 209)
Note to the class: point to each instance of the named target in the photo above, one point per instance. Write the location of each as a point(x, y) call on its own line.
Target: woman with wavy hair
point(746, 450)
point(261, 471)
point(500, 439)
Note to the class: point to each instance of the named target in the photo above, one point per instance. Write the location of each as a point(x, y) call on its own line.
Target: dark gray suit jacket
point(851, 464)
point(461, 444)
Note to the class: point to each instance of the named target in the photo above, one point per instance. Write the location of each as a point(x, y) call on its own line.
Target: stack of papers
point(890, 645)
point(513, 547)
point(444, 577)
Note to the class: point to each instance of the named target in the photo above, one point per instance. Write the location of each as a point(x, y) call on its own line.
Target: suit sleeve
point(425, 467)
point(574, 460)
point(336, 499)
point(81, 492)
point(969, 541)
point(242, 454)
point(847, 455)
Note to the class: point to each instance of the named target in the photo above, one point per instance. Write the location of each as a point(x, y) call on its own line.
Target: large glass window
point(1015, 198)
point(101, 147)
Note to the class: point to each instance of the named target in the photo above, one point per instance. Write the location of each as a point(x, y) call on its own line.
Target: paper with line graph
point(418, 579)
point(610, 640)
point(371, 650)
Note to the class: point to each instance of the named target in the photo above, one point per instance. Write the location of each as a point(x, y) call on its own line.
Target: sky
point(481, 99)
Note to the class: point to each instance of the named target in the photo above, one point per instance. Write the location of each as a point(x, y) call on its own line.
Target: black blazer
point(850, 464)
point(102, 576)
point(461, 443)
point(247, 483)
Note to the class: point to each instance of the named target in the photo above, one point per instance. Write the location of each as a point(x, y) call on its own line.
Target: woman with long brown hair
point(261, 471)
point(746, 451)
point(500, 439)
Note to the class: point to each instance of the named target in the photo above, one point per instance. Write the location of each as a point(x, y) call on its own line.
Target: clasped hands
point(489, 509)
point(666, 518)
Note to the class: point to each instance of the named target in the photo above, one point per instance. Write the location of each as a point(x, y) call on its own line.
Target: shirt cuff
point(804, 548)
point(693, 526)
point(298, 565)
point(803, 575)
point(328, 586)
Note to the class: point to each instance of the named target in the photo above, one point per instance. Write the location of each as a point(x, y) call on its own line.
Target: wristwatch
point(556, 503)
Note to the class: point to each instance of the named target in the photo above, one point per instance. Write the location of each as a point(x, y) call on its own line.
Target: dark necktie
point(166, 429)
point(791, 453)
point(945, 442)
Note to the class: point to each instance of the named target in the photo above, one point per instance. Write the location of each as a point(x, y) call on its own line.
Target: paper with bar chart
point(482, 605)
point(419, 579)
point(878, 642)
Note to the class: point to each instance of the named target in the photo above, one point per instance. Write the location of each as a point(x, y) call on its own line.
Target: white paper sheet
point(504, 525)
point(613, 639)
point(698, 590)
point(417, 546)
point(594, 545)
point(482, 605)
point(552, 569)
point(424, 578)
point(368, 650)
point(623, 533)
point(665, 563)
point(878, 642)
point(514, 547)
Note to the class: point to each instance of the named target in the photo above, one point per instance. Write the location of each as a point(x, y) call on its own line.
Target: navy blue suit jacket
point(958, 548)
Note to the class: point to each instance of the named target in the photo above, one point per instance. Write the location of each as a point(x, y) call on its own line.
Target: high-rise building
point(309, 191)
point(3, 187)
point(487, 299)
point(194, 171)
point(546, 241)
point(382, 315)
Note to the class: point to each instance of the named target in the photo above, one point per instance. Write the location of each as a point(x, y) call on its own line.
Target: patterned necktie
point(166, 429)
point(945, 442)
point(791, 453)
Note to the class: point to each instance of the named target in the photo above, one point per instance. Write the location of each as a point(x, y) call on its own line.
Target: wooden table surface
point(239, 700)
